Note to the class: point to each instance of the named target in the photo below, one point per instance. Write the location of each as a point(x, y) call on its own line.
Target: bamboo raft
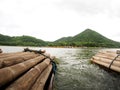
point(28, 70)
point(108, 59)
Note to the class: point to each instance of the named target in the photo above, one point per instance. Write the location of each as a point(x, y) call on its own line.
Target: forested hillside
point(87, 38)
point(21, 41)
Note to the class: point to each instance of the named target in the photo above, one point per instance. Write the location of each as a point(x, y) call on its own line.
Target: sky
point(50, 20)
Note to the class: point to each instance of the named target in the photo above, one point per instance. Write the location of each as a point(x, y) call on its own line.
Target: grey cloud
point(88, 6)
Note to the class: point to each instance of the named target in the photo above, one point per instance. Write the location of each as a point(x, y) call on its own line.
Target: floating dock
point(27, 70)
point(108, 59)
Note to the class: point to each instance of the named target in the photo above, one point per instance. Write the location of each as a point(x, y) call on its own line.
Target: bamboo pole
point(16, 59)
point(10, 73)
point(115, 68)
point(40, 83)
point(27, 80)
point(110, 52)
point(5, 55)
point(108, 56)
point(115, 63)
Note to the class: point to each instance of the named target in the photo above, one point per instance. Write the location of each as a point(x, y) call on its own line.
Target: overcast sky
point(52, 19)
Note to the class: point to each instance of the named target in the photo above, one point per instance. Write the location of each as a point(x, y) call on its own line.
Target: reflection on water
point(75, 71)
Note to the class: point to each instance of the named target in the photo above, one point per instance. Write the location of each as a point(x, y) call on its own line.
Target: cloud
point(53, 19)
point(92, 7)
point(41, 19)
point(115, 8)
point(86, 6)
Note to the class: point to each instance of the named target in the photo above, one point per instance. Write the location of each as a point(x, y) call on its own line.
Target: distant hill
point(64, 39)
point(87, 38)
point(21, 41)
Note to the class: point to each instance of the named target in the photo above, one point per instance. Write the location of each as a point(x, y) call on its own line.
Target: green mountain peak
point(89, 38)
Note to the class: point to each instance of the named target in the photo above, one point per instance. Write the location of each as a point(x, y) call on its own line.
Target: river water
point(75, 72)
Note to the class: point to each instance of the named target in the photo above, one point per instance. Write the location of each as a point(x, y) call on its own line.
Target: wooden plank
point(10, 73)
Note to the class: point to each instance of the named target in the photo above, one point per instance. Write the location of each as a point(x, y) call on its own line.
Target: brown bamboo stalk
point(110, 52)
point(5, 55)
point(10, 73)
point(16, 59)
point(105, 56)
point(108, 56)
point(115, 63)
point(27, 80)
point(40, 83)
point(115, 68)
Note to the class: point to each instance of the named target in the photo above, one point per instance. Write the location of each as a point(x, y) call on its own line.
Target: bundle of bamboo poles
point(27, 70)
point(108, 59)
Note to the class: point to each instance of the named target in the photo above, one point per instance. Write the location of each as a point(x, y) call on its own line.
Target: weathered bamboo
point(108, 57)
point(110, 52)
point(115, 63)
point(39, 84)
point(10, 73)
point(115, 68)
point(27, 80)
point(4, 55)
point(107, 54)
point(7, 55)
point(16, 59)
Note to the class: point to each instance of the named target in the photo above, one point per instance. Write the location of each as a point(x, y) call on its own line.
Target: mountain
point(64, 39)
point(5, 40)
point(88, 38)
point(21, 41)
